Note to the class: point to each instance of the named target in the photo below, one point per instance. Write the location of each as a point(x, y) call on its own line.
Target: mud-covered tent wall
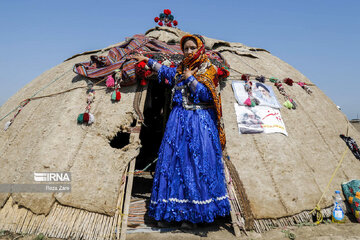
point(282, 177)
point(45, 137)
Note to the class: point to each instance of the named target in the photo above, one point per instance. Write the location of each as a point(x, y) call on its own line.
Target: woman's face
point(189, 47)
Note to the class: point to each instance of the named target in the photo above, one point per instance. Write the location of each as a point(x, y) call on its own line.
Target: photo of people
point(260, 91)
point(265, 95)
point(248, 120)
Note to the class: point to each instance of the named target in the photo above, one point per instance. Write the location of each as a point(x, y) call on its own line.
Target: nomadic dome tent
point(276, 179)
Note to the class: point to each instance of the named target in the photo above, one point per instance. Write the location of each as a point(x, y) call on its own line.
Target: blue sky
point(319, 38)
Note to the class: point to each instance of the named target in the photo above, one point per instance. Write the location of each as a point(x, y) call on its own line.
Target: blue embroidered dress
point(189, 182)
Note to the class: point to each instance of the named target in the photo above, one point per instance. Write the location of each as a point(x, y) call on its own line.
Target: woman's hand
point(140, 58)
point(189, 72)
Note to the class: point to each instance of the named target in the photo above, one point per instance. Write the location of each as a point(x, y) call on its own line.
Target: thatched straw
point(66, 222)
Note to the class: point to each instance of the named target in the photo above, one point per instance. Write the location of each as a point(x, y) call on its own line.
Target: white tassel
point(91, 119)
point(7, 125)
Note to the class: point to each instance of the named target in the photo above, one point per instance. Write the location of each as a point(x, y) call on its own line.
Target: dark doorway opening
point(156, 112)
point(120, 140)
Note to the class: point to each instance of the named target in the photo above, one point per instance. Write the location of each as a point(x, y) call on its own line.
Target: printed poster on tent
point(264, 93)
point(259, 119)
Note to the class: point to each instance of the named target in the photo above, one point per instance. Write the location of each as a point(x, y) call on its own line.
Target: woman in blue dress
point(189, 184)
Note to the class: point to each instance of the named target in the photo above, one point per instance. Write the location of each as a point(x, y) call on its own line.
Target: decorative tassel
point(86, 117)
point(260, 78)
point(113, 96)
point(116, 96)
point(7, 125)
point(256, 101)
point(293, 103)
point(80, 118)
point(274, 80)
point(110, 82)
point(248, 102)
point(288, 81)
point(143, 82)
point(301, 84)
point(305, 87)
point(253, 104)
point(90, 98)
point(91, 119)
point(288, 104)
point(245, 77)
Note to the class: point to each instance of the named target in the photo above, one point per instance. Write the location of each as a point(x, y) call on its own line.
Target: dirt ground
point(349, 230)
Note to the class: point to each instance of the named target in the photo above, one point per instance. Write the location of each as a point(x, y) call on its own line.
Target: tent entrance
point(156, 112)
point(155, 109)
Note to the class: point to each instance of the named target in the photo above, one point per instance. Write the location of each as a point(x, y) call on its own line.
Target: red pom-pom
point(220, 72)
point(175, 23)
point(143, 82)
point(169, 24)
point(118, 96)
point(288, 81)
point(160, 23)
point(156, 19)
point(147, 73)
point(86, 117)
point(216, 81)
point(245, 77)
point(141, 64)
point(167, 11)
point(226, 72)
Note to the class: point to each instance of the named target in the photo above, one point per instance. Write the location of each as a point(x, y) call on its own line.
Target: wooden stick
point(127, 199)
point(119, 205)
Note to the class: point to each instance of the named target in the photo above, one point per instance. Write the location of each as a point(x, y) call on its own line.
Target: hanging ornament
point(116, 96)
point(288, 104)
point(305, 87)
point(260, 78)
point(110, 82)
point(273, 80)
point(245, 77)
point(7, 125)
point(142, 73)
point(87, 117)
point(21, 106)
point(166, 18)
point(288, 81)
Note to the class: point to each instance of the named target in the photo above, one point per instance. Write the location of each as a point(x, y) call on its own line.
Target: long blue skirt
point(189, 182)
